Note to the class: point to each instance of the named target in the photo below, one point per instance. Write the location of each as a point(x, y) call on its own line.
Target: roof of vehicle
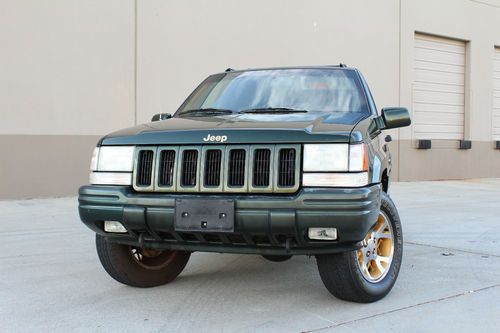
point(339, 66)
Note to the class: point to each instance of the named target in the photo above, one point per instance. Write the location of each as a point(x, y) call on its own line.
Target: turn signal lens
point(358, 160)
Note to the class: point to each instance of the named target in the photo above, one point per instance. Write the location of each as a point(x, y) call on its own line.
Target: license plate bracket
point(204, 215)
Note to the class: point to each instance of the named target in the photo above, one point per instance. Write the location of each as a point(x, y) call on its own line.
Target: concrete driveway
point(51, 278)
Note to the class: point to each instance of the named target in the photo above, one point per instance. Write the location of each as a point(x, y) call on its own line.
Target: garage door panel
point(451, 88)
point(445, 68)
point(439, 118)
point(439, 77)
point(438, 88)
point(439, 57)
point(429, 107)
point(437, 97)
point(438, 45)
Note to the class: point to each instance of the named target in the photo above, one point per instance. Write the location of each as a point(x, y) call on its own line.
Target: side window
point(369, 96)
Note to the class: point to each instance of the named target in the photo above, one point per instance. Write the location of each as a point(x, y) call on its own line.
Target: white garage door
point(438, 88)
point(496, 95)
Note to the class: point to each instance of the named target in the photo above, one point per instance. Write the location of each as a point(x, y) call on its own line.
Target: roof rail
point(229, 69)
point(342, 65)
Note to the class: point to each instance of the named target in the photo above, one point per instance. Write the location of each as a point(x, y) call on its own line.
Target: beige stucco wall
point(182, 42)
point(66, 77)
point(71, 71)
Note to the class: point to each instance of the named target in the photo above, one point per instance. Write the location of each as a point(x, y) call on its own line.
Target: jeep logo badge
point(213, 138)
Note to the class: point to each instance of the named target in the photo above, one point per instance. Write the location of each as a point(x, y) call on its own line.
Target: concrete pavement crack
point(404, 308)
point(452, 249)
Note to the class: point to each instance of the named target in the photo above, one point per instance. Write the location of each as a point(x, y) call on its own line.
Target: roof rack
point(229, 69)
point(342, 65)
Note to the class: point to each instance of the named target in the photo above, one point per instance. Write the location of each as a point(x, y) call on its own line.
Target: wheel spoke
point(379, 265)
point(381, 234)
point(365, 269)
point(383, 259)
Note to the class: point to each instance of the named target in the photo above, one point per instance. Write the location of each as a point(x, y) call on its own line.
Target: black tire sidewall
point(119, 263)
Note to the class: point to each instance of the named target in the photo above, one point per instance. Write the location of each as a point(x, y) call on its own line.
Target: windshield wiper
point(273, 110)
point(208, 111)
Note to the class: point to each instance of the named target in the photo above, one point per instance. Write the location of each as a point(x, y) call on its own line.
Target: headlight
point(335, 165)
point(112, 165)
point(116, 159)
point(326, 157)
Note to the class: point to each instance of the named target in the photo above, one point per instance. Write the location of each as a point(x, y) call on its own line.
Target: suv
point(275, 162)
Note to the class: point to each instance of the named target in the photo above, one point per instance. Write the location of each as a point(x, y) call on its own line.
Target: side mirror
point(161, 116)
point(395, 117)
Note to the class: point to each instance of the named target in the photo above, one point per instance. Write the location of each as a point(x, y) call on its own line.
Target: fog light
point(114, 226)
point(322, 233)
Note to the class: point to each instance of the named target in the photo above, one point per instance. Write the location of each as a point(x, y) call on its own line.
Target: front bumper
point(264, 224)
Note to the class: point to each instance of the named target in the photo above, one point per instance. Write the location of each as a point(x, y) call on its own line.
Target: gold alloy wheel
point(375, 256)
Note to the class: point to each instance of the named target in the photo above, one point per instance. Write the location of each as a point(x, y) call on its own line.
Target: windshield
point(280, 90)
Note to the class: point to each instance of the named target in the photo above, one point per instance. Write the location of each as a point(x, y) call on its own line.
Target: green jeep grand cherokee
point(276, 162)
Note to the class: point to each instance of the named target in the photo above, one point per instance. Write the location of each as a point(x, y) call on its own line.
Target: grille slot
point(189, 167)
point(286, 167)
point(145, 168)
point(166, 172)
point(237, 159)
point(213, 160)
point(261, 166)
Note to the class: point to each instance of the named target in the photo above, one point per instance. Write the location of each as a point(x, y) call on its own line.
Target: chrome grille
point(213, 166)
point(189, 167)
point(166, 168)
point(218, 169)
point(286, 171)
point(261, 167)
point(145, 168)
point(237, 161)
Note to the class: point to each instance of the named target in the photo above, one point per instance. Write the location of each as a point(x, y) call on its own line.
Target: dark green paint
point(395, 117)
point(351, 211)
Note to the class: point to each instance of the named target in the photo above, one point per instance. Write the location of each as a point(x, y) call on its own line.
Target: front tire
point(368, 274)
point(140, 267)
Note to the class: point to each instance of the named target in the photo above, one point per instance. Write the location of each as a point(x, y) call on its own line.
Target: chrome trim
point(260, 189)
point(156, 172)
point(225, 153)
point(201, 176)
point(180, 187)
point(136, 187)
point(236, 189)
point(286, 189)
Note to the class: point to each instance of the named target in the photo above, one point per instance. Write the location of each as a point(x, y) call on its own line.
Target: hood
point(244, 128)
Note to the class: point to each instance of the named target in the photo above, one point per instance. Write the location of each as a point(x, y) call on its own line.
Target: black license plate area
point(204, 215)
